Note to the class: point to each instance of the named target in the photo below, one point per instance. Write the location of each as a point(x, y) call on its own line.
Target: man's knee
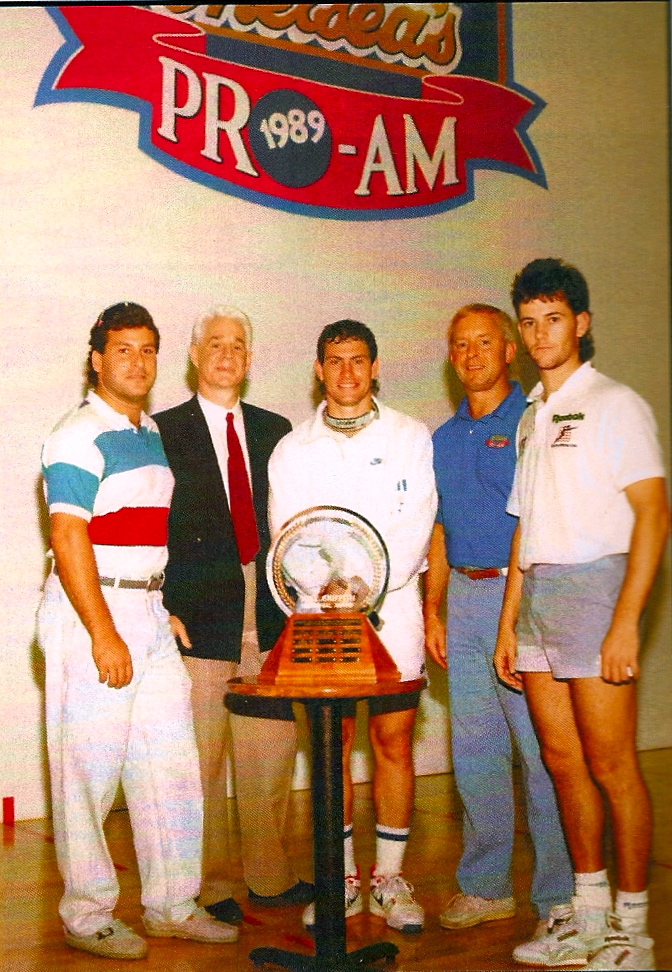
point(565, 764)
point(614, 770)
point(391, 740)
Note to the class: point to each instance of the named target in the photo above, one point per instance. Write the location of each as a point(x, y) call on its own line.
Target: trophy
point(328, 569)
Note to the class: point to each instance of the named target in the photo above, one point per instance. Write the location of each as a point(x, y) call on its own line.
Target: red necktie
point(240, 498)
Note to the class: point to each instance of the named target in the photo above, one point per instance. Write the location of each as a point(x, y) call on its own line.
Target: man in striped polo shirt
point(117, 694)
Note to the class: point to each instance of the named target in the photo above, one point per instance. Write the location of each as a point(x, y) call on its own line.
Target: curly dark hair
point(347, 330)
point(548, 278)
point(117, 318)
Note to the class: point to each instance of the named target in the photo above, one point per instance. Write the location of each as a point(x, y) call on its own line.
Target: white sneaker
point(571, 936)
point(116, 940)
point(353, 902)
point(391, 898)
point(198, 927)
point(623, 950)
point(466, 910)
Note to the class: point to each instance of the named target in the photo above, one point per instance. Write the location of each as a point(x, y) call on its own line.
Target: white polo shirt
point(577, 452)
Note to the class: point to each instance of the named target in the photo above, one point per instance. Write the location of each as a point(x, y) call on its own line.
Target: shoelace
point(396, 887)
point(559, 915)
point(352, 887)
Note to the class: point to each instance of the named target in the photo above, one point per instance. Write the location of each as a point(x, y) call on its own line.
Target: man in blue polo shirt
point(474, 461)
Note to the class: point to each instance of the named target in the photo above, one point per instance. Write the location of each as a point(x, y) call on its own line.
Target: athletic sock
point(592, 891)
point(349, 852)
point(390, 847)
point(632, 909)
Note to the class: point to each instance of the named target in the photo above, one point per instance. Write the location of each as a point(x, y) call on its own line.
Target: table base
point(309, 963)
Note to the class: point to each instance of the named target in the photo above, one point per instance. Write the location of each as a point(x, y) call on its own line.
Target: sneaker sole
point(158, 933)
point(74, 942)
point(471, 921)
point(540, 963)
point(407, 929)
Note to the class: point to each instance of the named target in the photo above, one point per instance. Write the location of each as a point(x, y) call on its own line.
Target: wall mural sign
point(340, 110)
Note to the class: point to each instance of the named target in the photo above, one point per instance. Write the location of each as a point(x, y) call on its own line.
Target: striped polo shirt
point(97, 465)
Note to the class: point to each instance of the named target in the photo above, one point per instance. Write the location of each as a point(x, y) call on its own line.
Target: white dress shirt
point(215, 416)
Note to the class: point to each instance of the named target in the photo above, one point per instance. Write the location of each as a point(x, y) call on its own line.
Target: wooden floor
point(31, 938)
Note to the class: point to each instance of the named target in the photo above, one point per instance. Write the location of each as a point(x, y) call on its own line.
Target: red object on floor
point(8, 811)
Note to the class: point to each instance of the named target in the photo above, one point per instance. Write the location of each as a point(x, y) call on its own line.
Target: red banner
point(285, 140)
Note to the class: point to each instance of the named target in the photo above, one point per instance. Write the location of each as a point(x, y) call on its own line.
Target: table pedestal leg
point(327, 793)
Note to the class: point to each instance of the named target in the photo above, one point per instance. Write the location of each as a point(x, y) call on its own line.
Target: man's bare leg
point(606, 717)
point(391, 736)
point(577, 932)
point(391, 897)
point(579, 801)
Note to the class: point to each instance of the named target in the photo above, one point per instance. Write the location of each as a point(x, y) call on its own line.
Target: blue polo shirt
point(474, 463)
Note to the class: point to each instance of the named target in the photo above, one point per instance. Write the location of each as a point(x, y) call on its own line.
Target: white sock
point(593, 891)
point(349, 852)
point(390, 847)
point(632, 909)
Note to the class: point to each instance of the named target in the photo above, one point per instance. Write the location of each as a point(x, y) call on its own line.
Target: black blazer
point(204, 581)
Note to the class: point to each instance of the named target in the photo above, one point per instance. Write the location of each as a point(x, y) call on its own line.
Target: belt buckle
point(156, 582)
point(153, 583)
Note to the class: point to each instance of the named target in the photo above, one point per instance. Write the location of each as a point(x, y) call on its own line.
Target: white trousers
point(142, 736)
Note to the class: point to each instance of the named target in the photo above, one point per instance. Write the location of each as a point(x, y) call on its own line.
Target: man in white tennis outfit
point(359, 454)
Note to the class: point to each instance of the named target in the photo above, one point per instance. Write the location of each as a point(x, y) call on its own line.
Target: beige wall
point(88, 220)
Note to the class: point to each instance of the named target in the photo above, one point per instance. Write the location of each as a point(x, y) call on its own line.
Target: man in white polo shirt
point(590, 494)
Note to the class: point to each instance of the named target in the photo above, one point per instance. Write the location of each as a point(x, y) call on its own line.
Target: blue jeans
point(484, 716)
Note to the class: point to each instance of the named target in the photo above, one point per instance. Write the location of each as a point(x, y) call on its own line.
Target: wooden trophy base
point(329, 653)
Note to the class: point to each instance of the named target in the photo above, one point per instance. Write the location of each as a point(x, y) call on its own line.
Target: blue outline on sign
point(47, 95)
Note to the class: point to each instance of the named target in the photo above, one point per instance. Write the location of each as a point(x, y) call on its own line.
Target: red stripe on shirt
point(140, 526)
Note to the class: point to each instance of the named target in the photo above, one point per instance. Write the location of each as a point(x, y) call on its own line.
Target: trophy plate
point(328, 559)
point(328, 569)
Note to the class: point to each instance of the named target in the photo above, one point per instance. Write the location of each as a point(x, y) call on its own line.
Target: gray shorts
point(565, 614)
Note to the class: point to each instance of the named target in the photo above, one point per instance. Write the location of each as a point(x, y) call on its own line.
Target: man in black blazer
point(216, 586)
